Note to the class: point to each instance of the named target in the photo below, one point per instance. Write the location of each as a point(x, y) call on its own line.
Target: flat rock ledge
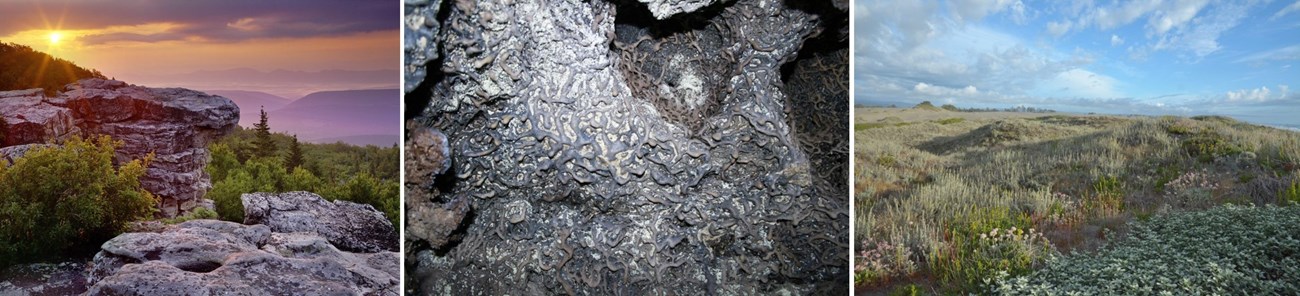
point(350, 226)
point(210, 257)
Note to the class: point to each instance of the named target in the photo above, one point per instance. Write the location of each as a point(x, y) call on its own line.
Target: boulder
point(173, 124)
point(210, 257)
point(11, 153)
point(30, 120)
point(63, 278)
point(347, 225)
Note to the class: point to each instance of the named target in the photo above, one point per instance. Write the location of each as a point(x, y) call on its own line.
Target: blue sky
point(1193, 57)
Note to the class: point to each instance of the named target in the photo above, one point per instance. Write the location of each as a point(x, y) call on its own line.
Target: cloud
point(1286, 10)
point(1078, 82)
point(1107, 18)
point(1252, 95)
point(1191, 27)
point(975, 10)
point(1176, 14)
point(1256, 95)
point(1115, 40)
point(1058, 28)
point(210, 20)
point(1288, 53)
point(907, 51)
point(940, 91)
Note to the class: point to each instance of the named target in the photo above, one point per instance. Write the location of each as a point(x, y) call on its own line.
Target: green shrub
point(951, 120)
point(910, 289)
point(1290, 194)
point(867, 126)
point(1225, 250)
point(57, 199)
point(261, 174)
point(986, 242)
point(1207, 145)
point(949, 107)
point(197, 214)
point(223, 161)
point(366, 189)
point(886, 160)
point(302, 180)
point(1107, 197)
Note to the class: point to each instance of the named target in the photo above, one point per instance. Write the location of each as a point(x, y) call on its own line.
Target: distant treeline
point(950, 107)
point(22, 67)
point(1022, 109)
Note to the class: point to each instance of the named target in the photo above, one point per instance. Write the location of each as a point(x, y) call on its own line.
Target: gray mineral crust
point(614, 147)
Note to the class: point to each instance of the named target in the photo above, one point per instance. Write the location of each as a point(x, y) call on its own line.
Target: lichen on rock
point(210, 257)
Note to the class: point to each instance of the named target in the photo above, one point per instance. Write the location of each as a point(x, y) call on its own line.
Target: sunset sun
point(55, 37)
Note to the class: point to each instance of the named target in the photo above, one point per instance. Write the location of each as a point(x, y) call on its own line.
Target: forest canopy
point(257, 160)
point(22, 67)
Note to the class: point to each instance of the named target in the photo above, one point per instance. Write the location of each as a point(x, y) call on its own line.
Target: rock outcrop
point(611, 147)
point(65, 278)
point(11, 153)
point(349, 226)
point(173, 124)
point(31, 120)
point(209, 257)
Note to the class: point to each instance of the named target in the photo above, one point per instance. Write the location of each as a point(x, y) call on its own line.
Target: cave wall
point(600, 147)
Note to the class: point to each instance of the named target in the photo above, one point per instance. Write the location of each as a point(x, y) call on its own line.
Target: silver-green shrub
point(1227, 250)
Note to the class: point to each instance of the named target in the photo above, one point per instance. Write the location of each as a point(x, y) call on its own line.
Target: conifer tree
point(265, 144)
point(295, 155)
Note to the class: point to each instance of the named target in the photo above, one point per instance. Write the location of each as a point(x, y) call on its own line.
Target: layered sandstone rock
point(209, 257)
point(31, 120)
point(173, 124)
point(350, 226)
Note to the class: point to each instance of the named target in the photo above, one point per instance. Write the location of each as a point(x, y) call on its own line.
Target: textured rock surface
point(209, 257)
point(67, 278)
point(604, 151)
point(174, 124)
point(419, 29)
point(11, 153)
point(349, 226)
point(31, 120)
point(663, 9)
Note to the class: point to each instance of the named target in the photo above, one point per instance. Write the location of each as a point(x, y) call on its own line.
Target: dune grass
point(938, 191)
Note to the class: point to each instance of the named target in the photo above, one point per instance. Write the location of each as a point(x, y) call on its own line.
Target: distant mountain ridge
point(358, 117)
point(250, 102)
point(290, 84)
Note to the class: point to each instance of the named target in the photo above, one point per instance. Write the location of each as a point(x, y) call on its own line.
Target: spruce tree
point(295, 155)
point(265, 144)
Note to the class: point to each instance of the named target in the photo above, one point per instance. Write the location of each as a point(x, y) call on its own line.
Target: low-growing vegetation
point(1227, 250)
point(927, 190)
point(59, 200)
point(257, 160)
point(951, 120)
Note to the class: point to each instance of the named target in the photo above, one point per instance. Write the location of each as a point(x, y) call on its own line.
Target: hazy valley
point(357, 117)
